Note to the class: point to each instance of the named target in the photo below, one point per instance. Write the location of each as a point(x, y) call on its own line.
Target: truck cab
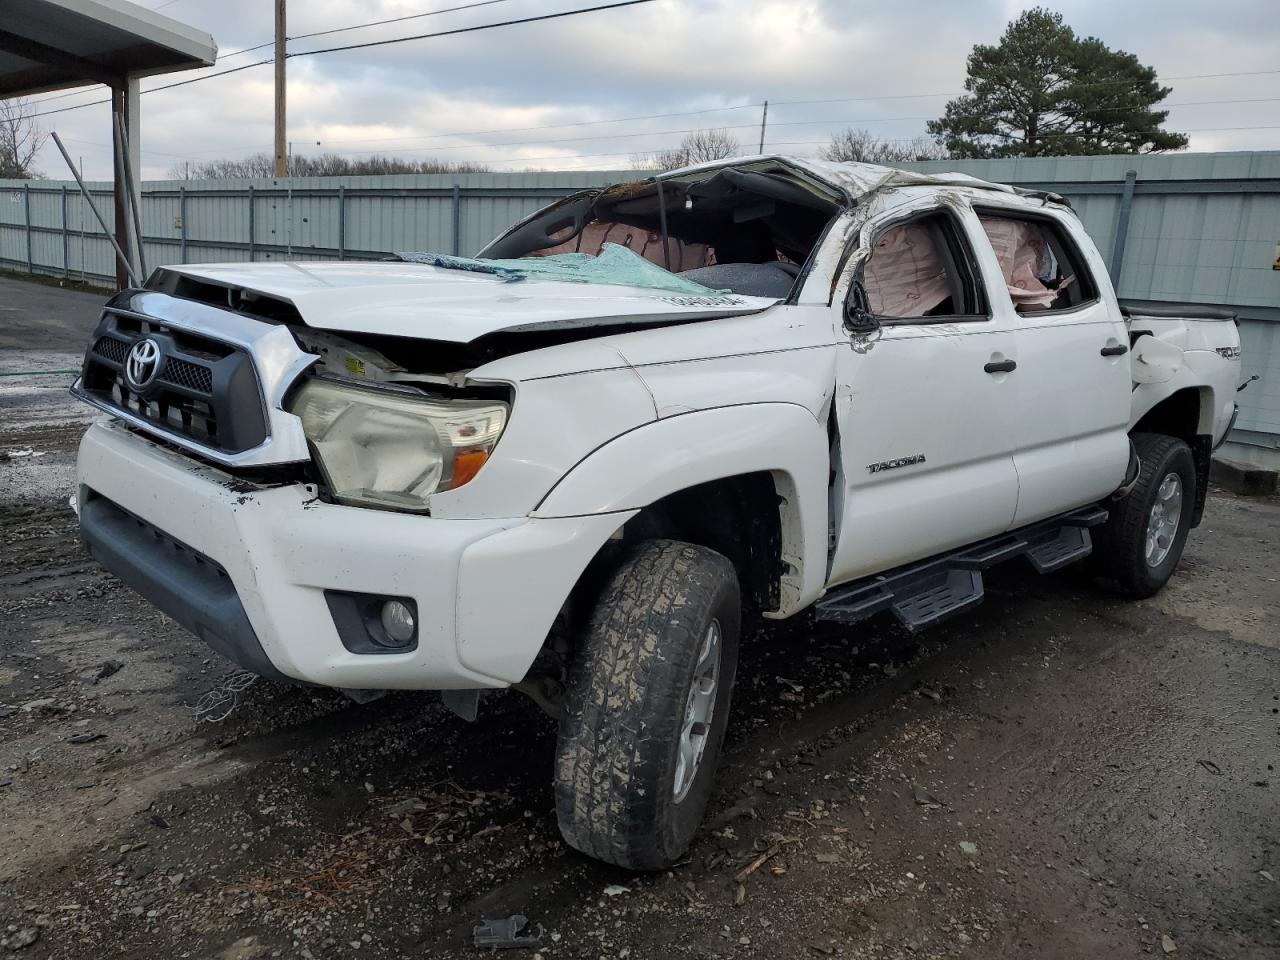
point(578, 464)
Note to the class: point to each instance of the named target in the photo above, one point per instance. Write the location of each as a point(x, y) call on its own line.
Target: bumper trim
point(188, 586)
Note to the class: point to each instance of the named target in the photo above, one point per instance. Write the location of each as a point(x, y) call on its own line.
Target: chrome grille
point(205, 391)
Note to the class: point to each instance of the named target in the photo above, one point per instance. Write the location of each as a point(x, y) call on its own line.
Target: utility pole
point(282, 161)
point(764, 118)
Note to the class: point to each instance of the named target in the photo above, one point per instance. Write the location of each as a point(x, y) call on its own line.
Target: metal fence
point(1203, 228)
point(47, 227)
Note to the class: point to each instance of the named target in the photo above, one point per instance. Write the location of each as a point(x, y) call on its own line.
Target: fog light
point(397, 622)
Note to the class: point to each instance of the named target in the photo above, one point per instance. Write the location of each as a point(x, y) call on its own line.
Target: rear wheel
point(1138, 548)
point(648, 702)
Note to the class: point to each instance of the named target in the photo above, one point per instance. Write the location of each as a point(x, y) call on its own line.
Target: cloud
point(887, 67)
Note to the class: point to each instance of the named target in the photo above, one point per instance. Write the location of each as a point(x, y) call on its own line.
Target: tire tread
point(617, 698)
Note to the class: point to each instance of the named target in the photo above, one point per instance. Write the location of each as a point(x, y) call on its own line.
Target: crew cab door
point(925, 402)
point(1073, 379)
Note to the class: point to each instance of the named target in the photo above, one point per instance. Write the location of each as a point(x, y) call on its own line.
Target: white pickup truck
point(577, 464)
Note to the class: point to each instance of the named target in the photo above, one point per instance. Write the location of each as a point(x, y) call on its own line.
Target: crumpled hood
point(416, 300)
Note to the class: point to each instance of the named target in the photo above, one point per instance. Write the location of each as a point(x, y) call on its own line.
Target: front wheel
point(1138, 548)
point(648, 702)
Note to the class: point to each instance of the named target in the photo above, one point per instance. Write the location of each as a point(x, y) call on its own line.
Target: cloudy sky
point(591, 91)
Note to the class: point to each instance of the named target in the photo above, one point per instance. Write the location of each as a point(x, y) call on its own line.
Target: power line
point(412, 16)
point(482, 26)
point(776, 143)
point(167, 86)
point(1077, 86)
point(304, 36)
point(783, 123)
point(79, 93)
point(642, 133)
point(575, 12)
point(551, 126)
point(372, 43)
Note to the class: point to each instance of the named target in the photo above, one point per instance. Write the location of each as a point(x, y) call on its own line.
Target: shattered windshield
point(746, 230)
point(615, 264)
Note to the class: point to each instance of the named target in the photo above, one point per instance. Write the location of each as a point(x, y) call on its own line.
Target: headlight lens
point(394, 450)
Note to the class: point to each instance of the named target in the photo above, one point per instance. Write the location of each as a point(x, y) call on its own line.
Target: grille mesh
point(111, 348)
point(189, 375)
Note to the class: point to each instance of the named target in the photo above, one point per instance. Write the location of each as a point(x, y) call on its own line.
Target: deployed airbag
point(1024, 257)
point(905, 277)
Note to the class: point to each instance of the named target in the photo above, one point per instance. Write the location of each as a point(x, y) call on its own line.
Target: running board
point(925, 593)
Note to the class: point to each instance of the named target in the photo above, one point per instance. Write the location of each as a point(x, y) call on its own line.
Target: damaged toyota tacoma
point(578, 464)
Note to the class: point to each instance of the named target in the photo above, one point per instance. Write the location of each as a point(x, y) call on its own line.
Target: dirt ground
point(1056, 775)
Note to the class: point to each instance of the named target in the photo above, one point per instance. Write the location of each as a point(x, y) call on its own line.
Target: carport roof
point(53, 44)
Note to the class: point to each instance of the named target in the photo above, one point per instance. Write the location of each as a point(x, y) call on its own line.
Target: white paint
point(282, 548)
point(605, 426)
point(416, 300)
point(920, 389)
point(683, 451)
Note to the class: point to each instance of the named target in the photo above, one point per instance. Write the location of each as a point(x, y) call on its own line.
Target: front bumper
point(247, 567)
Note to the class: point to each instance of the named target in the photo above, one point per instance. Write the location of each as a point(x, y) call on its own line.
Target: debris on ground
point(924, 798)
point(107, 669)
point(616, 889)
point(276, 847)
point(19, 938)
point(756, 864)
point(504, 934)
point(1167, 944)
point(220, 702)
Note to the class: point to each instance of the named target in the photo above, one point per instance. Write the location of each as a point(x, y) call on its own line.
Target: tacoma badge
point(895, 464)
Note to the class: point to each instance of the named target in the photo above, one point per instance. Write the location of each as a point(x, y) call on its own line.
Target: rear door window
point(1042, 267)
point(921, 270)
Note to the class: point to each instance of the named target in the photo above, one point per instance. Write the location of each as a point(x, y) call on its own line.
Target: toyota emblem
point(142, 364)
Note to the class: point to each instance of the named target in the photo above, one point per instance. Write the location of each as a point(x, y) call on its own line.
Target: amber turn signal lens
point(466, 464)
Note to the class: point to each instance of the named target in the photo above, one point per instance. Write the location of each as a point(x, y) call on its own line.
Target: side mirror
point(858, 317)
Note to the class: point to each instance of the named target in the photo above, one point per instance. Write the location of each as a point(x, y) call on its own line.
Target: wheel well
point(1182, 415)
point(738, 517)
point(735, 516)
point(1177, 415)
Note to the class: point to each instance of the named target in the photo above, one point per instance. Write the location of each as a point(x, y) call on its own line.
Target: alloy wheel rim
point(699, 709)
point(1162, 524)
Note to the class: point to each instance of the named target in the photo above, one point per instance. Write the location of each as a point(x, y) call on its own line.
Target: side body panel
point(920, 390)
point(1201, 367)
point(1072, 416)
point(574, 398)
point(649, 463)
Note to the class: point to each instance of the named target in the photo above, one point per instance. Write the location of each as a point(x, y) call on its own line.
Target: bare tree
point(262, 165)
point(700, 146)
point(863, 146)
point(20, 139)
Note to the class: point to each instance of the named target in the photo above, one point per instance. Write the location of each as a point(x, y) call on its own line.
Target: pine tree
point(1044, 91)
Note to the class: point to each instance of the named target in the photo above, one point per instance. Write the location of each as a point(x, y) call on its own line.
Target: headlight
point(383, 448)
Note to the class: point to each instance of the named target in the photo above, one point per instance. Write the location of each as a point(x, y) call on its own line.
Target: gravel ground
point(1058, 774)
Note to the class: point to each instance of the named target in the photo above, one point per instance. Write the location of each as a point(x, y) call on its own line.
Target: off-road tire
point(1119, 557)
point(616, 757)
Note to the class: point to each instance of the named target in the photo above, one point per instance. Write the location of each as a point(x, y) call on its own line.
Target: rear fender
point(658, 459)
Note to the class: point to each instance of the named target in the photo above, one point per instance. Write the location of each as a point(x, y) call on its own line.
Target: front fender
point(661, 458)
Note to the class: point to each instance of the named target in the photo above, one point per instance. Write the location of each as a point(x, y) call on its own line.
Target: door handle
point(1001, 366)
point(1119, 350)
